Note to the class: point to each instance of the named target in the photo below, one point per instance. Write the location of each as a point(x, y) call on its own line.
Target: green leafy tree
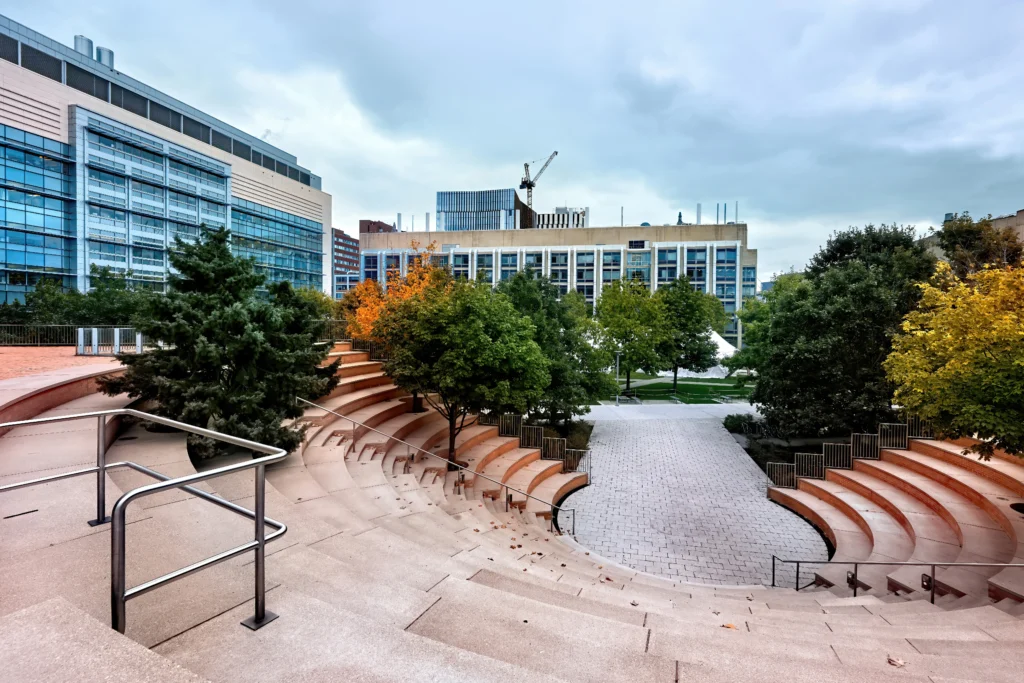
point(756, 317)
point(564, 332)
point(634, 324)
point(969, 245)
point(113, 300)
point(818, 348)
point(230, 360)
point(690, 316)
point(466, 349)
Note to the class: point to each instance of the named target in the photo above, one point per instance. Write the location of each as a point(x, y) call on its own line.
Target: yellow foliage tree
point(959, 361)
point(368, 298)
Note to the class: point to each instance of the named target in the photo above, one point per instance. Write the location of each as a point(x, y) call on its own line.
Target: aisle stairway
point(928, 502)
point(395, 570)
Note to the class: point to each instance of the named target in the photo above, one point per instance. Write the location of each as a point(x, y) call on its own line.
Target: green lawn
point(691, 393)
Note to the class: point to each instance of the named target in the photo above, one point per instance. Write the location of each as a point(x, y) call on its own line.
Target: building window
point(638, 266)
point(725, 289)
point(637, 244)
point(485, 267)
point(393, 264)
point(667, 265)
point(371, 267)
point(460, 266)
point(726, 255)
point(611, 266)
point(534, 262)
point(725, 273)
point(750, 274)
point(560, 270)
point(509, 265)
point(585, 268)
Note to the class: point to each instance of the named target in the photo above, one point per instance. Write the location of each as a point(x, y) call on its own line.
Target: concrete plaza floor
point(674, 494)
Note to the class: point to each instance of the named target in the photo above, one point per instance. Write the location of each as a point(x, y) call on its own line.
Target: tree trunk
point(417, 402)
point(675, 378)
point(627, 379)
point(451, 442)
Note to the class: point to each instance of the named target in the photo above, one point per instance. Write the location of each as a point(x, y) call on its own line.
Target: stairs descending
point(394, 569)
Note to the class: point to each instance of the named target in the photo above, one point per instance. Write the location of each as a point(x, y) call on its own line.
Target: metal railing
point(377, 351)
point(553, 448)
point(531, 437)
point(893, 435)
point(782, 474)
point(837, 455)
point(508, 490)
point(108, 341)
point(810, 465)
point(510, 424)
point(864, 446)
point(852, 580)
point(578, 460)
point(37, 335)
point(120, 594)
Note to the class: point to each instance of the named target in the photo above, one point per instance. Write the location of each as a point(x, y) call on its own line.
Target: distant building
point(100, 169)
point(344, 282)
point(483, 210)
point(344, 262)
point(767, 286)
point(564, 217)
point(375, 226)
point(1012, 220)
point(714, 257)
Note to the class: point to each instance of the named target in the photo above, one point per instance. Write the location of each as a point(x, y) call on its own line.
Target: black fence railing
point(38, 335)
point(377, 351)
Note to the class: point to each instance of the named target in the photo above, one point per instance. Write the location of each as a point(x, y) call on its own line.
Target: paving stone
point(679, 498)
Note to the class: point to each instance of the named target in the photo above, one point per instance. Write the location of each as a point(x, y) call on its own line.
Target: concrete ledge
point(23, 398)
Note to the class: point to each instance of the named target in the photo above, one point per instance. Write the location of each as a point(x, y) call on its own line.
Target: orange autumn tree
point(364, 303)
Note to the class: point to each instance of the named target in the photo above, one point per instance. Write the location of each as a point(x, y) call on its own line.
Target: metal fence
point(838, 455)
point(782, 474)
point(864, 446)
point(918, 428)
point(510, 424)
point(810, 465)
point(108, 341)
point(553, 448)
point(893, 435)
point(376, 350)
point(531, 437)
point(331, 330)
point(487, 420)
point(578, 460)
point(37, 335)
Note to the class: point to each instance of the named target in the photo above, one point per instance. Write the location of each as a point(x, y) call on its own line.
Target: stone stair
point(395, 570)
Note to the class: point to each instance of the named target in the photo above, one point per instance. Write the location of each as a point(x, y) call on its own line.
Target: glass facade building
point(87, 179)
point(483, 210)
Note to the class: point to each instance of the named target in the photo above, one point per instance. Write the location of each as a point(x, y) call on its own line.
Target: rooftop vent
point(105, 56)
point(83, 46)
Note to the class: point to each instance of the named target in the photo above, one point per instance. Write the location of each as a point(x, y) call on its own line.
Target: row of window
point(85, 81)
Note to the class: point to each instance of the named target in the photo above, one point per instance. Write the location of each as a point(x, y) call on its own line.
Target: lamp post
point(617, 354)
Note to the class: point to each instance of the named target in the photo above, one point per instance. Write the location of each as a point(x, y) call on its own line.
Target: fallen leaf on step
point(896, 661)
point(588, 552)
point(608, 579)
point(750, 599)
point(477, 530)
point(732, 626)
point(600, 566)
point(715, 612)
point(634, 603)
point(513, 546)
point(563, 564)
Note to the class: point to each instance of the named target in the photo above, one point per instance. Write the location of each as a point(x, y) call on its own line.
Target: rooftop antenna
point(736, 213)
point(717, 205)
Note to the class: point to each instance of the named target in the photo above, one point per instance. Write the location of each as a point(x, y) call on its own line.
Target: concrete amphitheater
point(393, 569)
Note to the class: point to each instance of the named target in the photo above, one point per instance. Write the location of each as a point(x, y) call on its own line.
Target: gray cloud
point(814, 115)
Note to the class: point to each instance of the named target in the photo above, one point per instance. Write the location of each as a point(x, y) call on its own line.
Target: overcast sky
point(813, 114)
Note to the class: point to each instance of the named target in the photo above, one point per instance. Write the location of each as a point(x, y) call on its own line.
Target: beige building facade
point(714, 257)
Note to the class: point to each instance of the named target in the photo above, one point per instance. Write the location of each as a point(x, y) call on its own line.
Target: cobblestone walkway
point(679, 498)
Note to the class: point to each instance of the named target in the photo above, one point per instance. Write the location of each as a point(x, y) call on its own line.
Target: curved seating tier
point(394, 569)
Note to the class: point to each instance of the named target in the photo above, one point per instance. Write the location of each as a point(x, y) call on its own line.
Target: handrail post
point(117, 580)
point(798, 576)
point(101, 473)
point(855, 567)
point(773, 571)
point(933, 585)
point(261, 617)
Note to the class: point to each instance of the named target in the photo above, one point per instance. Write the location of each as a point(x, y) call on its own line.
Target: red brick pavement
point(18, 361)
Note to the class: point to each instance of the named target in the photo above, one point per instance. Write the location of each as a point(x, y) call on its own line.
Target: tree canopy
point(959, 360)
point(969, 245)
point(564, 333)
point(113, 300)
point(229, 360)
point(818, 343)
point(465, 348)
point(690, 316)
point(634, 324)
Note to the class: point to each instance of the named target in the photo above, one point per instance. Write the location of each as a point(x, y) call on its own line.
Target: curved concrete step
point(502, 468)
point(933, 539)
point(530, 476)
point(554, 489)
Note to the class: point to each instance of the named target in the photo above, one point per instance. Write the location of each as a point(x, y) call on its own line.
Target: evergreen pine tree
point(223, 357)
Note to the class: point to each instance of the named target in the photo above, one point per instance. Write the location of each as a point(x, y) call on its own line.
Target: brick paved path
point(679, 498)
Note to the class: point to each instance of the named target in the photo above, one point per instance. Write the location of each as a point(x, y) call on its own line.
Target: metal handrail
point(852, 577)
point(554, 520)
point(119, 593)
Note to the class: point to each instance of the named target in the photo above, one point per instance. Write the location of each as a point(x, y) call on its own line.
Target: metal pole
point(617, 354)
point(117, 616)
point(773, 571)
point(855, 567)
point(798, 576)
point(261, 617)
point(95, 341)
point(933, 585)
point(101, 473)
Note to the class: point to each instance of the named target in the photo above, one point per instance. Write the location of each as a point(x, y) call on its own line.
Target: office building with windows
point(483, 210)
point(345, 263)
point(714, 257)
point(98, 169)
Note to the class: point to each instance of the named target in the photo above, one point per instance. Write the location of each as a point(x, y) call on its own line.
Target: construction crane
point(529, 184)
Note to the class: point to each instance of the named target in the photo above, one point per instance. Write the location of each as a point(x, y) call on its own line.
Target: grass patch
point(685, 391)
